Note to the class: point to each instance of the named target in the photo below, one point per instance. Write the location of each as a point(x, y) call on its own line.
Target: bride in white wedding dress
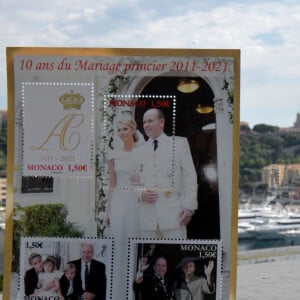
point(122, 216)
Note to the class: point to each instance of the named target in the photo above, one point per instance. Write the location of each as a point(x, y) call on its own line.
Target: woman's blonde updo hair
point(132, 124)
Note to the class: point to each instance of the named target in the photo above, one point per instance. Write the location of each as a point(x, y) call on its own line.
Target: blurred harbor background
point(268, 225)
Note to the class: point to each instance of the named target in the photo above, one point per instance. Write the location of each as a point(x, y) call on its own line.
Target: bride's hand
point(134, 178)
point(107, 219)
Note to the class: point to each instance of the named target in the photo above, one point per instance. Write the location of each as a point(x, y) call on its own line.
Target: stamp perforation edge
point(108, 131)
point(70, 173)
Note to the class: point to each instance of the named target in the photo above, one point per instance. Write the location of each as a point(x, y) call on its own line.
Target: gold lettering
point(62, 130)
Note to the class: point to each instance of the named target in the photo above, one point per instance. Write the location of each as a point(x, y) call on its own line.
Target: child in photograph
point(66, 283)
point(48, 283)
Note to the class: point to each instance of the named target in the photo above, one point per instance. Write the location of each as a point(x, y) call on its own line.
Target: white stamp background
point(57, 140)
point(174, 250)
point(66, 249)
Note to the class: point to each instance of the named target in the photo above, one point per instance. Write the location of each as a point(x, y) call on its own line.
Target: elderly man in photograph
point(90, 279)
point(168, 180)
point(153, 286)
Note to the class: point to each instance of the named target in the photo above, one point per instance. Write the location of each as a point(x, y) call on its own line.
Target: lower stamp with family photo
point(175, 269)
point(65, 268)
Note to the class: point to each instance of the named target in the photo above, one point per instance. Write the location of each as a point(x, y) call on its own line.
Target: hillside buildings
point(277, 175)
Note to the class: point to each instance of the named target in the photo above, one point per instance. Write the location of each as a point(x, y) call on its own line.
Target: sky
point(266, 32)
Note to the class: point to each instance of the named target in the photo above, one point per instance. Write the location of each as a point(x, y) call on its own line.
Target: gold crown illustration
point(71, 100)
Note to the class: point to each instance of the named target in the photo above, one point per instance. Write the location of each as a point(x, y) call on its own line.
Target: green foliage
point(291, 139)
point(265, 146)
point(261, 188)
point(245, 128)
point(46, 220)
point(2, 161)
point(263, 128)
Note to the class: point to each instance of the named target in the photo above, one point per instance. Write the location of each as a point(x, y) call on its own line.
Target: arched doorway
point(200, 130)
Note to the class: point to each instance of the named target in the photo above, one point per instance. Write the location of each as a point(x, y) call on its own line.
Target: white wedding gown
point(124, 217)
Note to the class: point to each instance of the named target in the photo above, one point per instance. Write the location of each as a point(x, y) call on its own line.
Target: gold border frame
point(11, 52)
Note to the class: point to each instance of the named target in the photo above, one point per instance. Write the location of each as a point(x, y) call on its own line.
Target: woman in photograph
point(122, 215)
point(191, 286)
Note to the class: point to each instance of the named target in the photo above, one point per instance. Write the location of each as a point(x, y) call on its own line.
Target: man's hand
point(185, 217)
point(88, 296)
point(149, 196)
point(143, 266)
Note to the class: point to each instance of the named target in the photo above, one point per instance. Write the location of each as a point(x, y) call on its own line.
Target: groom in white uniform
point(168, 179)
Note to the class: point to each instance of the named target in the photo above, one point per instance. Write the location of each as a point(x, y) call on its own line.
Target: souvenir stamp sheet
point(122, 145)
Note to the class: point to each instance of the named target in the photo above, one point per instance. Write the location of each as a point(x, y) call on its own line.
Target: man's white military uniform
point(169, 170)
